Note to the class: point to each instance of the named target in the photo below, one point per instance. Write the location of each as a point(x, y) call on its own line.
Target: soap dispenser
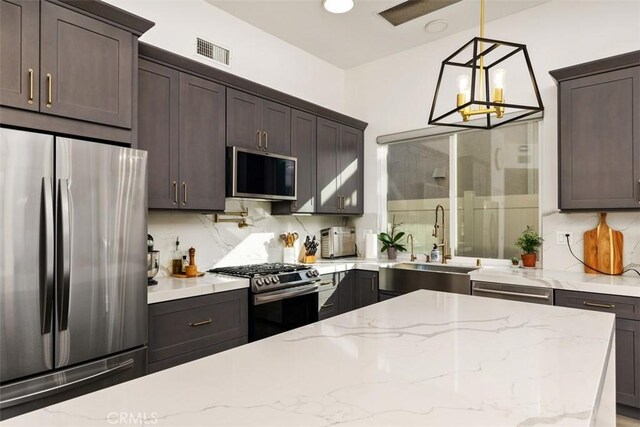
point(435, 253)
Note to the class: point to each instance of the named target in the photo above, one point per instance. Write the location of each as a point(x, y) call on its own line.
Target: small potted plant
point(515, 261)
point(391, 242)
point(529, 242)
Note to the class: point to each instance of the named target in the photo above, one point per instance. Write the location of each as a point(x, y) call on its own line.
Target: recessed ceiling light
point(338, 6)
point(437, 26)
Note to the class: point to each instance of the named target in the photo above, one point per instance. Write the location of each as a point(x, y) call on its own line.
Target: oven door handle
point(284, 294)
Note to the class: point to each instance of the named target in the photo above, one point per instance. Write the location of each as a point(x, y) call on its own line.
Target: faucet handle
point(427, 258)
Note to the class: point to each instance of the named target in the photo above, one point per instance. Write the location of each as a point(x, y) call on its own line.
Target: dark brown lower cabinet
point(346, 283)
point(187, 329)
point(366, 288)
point(348, 290)
point(627, 311)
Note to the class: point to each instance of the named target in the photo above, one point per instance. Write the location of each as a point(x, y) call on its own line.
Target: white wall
point(262, 58)
point(256, 55)
point(394, 94)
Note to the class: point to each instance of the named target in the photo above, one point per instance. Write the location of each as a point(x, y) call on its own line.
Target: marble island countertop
point(425, 358)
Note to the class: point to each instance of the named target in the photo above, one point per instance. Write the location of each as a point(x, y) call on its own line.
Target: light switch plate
point(561, 238)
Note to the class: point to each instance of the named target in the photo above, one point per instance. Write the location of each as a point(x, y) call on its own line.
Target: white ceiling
point(359, 36)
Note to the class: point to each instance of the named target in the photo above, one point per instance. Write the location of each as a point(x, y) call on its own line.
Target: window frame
point(452, 224)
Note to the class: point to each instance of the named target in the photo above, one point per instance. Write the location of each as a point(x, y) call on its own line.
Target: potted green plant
point(515, 261)
point(529, 242)
point(391, 241)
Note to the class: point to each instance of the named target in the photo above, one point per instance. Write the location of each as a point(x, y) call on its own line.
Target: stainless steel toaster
point(337, 242)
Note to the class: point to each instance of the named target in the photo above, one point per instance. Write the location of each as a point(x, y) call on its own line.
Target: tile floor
point(626, 422)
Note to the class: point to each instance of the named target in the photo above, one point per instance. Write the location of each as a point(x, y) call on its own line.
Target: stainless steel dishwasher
point(522, 293)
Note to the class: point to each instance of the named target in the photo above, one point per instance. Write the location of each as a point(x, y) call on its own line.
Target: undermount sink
point(408, 277)
point(443, 268)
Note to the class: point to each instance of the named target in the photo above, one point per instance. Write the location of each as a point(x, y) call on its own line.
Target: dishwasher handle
point(513, 294)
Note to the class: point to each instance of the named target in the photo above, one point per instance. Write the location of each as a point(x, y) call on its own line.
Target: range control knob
point(259, 282)
point(315, 273)
point(309, 273)
point(274, 280)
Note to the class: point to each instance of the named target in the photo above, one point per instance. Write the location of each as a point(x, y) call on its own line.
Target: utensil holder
point(288, 255)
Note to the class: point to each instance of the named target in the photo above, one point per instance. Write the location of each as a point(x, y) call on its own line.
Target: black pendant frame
point(473, 65)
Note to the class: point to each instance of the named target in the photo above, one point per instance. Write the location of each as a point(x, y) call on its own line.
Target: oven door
point(275, 312)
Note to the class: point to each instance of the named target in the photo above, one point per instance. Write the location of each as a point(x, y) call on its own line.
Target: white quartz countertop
point(627, 285)
point(172, 288)
point(425, 358)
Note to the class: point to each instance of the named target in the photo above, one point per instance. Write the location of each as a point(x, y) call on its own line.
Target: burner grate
point(254, 270)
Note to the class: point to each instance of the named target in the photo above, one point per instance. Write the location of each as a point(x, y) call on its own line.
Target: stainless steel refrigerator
point(73, 278)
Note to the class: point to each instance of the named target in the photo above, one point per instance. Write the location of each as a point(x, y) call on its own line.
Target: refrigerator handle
point(46, 255)
point(64, 254)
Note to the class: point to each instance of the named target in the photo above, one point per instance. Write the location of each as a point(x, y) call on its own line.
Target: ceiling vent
point(412, 9)
point(213, 52)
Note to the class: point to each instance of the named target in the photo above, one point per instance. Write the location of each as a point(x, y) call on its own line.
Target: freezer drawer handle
point(46, 303)
point(518, 294)
point(64, 254)
point(203, 322)
point(595, 304)
point(127, 364)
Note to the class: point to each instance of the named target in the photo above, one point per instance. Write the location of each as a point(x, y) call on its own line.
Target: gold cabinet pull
point(259, 138)
point(373, 283)
point(595, 304)
point(175, 193)
point(184, 193)
point(49, 91)
point(266, 140)
point(30, 99)
point(203, 322)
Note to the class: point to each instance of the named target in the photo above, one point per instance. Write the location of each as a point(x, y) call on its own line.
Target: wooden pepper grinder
point(192, 268)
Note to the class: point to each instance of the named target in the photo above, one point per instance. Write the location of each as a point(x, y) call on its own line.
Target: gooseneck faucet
point(436, 233)
point(413, 257)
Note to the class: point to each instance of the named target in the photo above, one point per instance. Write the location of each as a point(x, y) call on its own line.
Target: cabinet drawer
point(328, 303)
point(187, 325)
point(622, 307)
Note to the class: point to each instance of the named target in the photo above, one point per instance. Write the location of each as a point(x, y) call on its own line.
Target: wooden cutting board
point(603, 248)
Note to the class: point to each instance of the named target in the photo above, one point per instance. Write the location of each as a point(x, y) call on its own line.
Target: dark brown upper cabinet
point(303, 147)
point(19, 53)
point(599, 134)
point(158, 131)
point(68, 66)
point(202, 149)
point(257, 123)
point(339, 168)
point(86, 68)
point(182, 126)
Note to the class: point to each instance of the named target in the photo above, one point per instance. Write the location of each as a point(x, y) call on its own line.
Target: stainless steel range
point(282, 296)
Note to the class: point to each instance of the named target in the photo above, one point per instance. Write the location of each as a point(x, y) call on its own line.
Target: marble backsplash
point(558, 257)
point(224, 244)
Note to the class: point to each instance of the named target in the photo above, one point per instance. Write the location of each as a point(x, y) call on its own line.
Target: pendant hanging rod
point(481, 50)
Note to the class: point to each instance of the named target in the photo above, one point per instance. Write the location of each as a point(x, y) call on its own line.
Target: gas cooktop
point(272, 276)
point(254, 270)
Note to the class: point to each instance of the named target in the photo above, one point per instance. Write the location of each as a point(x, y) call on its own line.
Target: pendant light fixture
point(481, 99)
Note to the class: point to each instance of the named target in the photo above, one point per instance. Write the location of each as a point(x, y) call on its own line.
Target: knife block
point(308, 259)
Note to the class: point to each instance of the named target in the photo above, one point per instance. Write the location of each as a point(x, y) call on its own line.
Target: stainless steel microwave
point(255, 174)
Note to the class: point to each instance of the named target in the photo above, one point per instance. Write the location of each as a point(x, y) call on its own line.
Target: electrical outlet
point(561, 238)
